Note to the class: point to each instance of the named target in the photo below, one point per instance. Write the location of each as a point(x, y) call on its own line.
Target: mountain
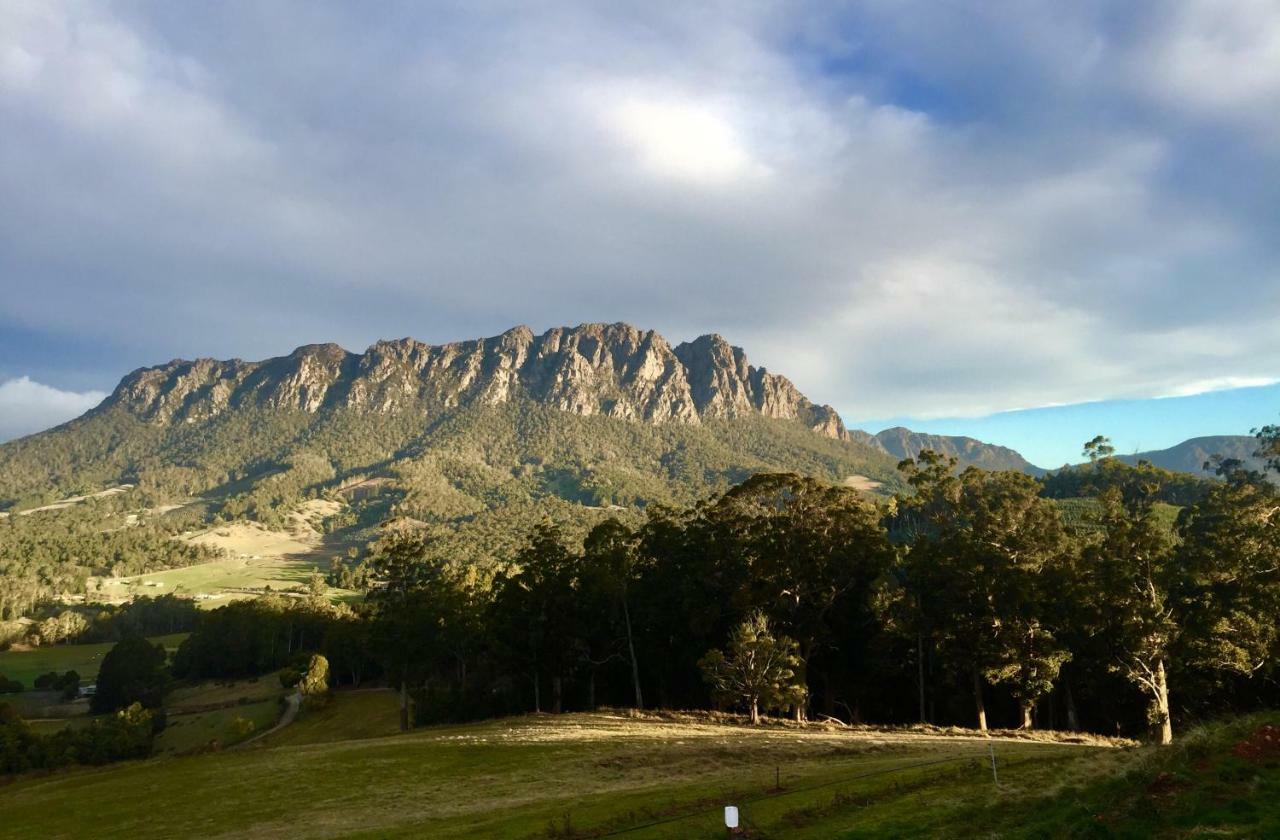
point(613, 370)
point(903, 443)
point(483, 436)
point(1190, 456)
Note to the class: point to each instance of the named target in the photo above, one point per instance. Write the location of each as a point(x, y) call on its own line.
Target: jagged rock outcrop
point(609, 369)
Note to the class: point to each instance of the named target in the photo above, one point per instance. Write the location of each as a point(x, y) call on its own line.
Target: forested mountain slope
point(593, 416)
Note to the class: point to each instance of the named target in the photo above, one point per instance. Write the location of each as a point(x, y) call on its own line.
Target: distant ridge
point(1191, 455)
point(903, 443)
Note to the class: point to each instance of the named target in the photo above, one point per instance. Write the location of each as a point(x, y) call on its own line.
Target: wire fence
point(987, 757)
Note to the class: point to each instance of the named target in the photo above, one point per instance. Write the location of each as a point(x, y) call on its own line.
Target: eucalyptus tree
point(534, 614)
point(759, 669)
point(812, 552)
point(985, 558)
point(609, 572)
point(403, 630)
point(1204, 602)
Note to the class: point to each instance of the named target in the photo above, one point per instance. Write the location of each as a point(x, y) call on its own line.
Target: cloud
point(27, 406)
point(908, 208)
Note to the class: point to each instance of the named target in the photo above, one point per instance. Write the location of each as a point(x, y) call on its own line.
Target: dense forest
point(965, 600)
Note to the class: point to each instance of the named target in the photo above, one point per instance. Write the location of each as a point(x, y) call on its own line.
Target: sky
point(939, 213)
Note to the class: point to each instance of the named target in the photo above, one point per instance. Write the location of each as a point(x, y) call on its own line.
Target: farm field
point(214, 715)
point(256, 558)
point(546, 776)
point(25, 665)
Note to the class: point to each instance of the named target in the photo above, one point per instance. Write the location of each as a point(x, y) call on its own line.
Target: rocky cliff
point(614, 370)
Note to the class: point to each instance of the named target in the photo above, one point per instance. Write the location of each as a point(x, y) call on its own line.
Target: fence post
point(994, 776)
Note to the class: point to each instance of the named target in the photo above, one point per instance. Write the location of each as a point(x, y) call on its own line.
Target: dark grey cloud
point(910, 208)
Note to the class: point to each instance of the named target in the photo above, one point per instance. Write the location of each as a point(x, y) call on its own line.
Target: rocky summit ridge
point(615, 370)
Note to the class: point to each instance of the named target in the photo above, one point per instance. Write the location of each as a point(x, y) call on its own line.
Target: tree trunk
point(1073, 718)
point(1162, 705)
point(591, 690)
point(404, 705)
point(977, 700)
point(537, 695)
point(1026, 716)
point(755, 711)
point(557, 695)
point(631, 648)
point(920, 672)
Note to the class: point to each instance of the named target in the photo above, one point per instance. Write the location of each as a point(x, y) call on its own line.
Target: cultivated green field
point(26, 665)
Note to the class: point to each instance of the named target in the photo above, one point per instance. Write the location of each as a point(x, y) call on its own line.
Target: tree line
point(965, 600)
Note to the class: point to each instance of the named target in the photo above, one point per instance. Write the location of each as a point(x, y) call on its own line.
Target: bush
point(132, 672)
point(316, 682)
point(68, 683)
point(130, 733)
point(8, 686)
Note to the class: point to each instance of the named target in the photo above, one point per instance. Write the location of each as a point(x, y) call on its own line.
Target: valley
point(487, 576)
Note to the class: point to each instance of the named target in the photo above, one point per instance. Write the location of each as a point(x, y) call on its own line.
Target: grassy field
point(256, 558)
point(348, 715)
point(342, 771)
point(210, 716)
point(26, 665)
point(527, 777)
point(201, 718)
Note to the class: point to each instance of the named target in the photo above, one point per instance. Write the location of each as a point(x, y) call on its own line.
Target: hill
point(1191, 455)
point(903, 443)
point(577, 775)
point(609, 774)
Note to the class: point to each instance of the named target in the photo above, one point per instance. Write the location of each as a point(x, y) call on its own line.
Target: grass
point(202, 717)
point(215, 728)
point(25, 665)
point(347, 715)
point(342, 771)
point(519, 777)
point(212, 715)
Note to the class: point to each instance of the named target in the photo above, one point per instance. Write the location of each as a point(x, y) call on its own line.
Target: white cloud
point(1216, 58)
point(681, 138)
point(27, 406)
point(906, 207)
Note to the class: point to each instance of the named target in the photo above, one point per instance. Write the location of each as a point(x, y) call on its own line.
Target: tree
point(315, 683)
point(609, 561)
point(131, 672)
point(759, 671)
point(1227, 587)
point(985, 562)
point(535, 612)
point(1098, 449)
point(812, 553)
point(399, 565)
point(1140, 591)
point(68, 683)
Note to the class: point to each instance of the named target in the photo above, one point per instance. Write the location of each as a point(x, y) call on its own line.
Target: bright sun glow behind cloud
point(682, 139)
